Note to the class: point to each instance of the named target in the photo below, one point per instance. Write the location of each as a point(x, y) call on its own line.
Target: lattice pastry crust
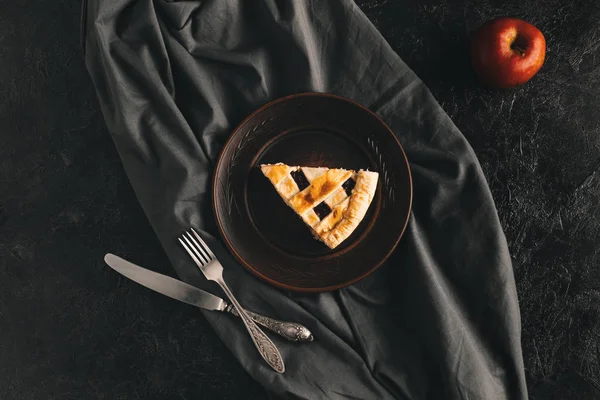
point(331, 201)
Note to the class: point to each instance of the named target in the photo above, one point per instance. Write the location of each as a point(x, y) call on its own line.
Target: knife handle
point(292, 331)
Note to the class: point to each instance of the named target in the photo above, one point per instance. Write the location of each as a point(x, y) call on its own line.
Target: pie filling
point(349, 186)
point(300, 179)
point(322, 210)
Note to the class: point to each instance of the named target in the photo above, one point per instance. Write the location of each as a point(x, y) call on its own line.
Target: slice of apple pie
point(331, 201)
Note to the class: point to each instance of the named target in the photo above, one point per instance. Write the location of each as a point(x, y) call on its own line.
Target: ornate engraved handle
point(292, 331)
point(266, 348)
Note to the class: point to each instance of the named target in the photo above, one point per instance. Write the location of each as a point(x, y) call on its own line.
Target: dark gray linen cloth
point(440, 320)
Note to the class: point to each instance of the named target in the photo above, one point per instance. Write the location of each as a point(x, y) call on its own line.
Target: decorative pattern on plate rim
point(243, 143)
point(301, 275)
point(386, 176)
point(291, 273)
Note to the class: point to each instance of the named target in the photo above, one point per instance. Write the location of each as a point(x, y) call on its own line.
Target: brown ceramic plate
point(309, 129)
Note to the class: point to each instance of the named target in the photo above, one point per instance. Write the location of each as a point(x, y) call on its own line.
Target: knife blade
point(192, 295)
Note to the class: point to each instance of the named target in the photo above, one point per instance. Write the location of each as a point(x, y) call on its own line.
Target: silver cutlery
point(189, 294)
point(213, 270)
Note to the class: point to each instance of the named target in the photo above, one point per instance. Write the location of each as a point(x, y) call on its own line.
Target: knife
point(189, 294)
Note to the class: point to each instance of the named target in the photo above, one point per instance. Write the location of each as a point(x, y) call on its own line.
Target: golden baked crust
point(320, 188)
point(359, 201)
point(340, 209)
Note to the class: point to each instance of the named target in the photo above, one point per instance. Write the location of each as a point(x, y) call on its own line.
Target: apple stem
point(519, 50)
point(518, 45)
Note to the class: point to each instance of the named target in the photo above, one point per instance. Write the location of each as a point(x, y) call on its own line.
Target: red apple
point(507, 52)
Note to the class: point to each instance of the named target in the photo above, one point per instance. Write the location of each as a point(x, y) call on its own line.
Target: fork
point(212, 269)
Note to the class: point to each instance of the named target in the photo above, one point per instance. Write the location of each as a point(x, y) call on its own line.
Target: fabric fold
point(440, 320)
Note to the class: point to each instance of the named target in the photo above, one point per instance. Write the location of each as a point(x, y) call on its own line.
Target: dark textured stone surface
point(71, 329)
point(538, 145)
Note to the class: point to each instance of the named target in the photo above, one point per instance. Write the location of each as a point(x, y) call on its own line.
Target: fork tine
point(204, 243)
point(195, 250)
point(185, 246)
point(197, 247)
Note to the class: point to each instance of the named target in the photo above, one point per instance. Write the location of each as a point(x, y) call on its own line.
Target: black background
point(71, 329)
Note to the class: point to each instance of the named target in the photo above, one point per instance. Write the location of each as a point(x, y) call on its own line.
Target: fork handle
point(265, 346)
point(292, 331)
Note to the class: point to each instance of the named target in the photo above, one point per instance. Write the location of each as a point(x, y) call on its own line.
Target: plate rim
point(219, 223)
